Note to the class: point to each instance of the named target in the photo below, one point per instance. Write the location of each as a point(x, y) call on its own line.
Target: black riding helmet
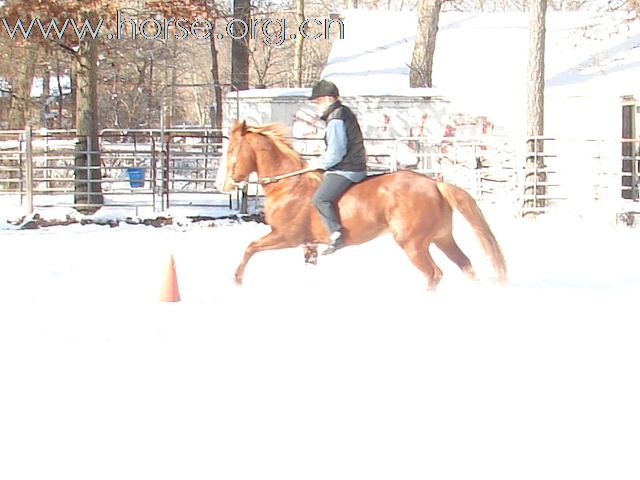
point(324, 88)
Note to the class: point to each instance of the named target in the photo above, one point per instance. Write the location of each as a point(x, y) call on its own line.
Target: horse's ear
point(239, 127)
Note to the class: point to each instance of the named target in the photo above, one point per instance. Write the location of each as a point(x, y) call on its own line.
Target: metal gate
point(141, 168)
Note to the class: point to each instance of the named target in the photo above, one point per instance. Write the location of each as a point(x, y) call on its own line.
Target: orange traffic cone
point(169, 291)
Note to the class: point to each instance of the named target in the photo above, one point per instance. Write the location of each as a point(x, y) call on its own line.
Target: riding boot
point(336, 242)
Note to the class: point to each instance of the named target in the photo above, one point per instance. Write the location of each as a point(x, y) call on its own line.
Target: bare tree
point(425, 46)
point(83, 49)
point(213, 12)
point(241, 23)
point(216, 121)
point(297, 59)
point(88, 189)
point(21, 76)
point(18, 78)
point(536, 177)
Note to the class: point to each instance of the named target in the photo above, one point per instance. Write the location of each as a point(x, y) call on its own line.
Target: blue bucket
point(136, 177)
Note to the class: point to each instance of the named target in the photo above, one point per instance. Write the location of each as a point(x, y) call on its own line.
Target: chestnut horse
point(417, 210)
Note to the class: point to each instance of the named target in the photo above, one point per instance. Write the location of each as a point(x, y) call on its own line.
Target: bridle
point(265, 180)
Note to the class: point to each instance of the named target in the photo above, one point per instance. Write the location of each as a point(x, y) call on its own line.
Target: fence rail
point(147, 168)
point(138, 168)
point(580, 175)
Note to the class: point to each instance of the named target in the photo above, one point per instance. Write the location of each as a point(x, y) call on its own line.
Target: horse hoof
point(310, 254)
point(432, 286)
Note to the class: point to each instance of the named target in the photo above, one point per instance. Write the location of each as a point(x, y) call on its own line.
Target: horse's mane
point(277, 133)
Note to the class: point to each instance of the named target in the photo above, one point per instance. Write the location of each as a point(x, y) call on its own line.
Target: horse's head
point(258, 148)
point(241, 160)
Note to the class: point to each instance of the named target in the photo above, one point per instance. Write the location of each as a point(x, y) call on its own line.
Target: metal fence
point(580, 175)
point(485, 167)
point(159, 170)
point(138, 168)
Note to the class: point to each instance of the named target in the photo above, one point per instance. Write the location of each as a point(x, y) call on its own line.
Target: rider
point(344, 159)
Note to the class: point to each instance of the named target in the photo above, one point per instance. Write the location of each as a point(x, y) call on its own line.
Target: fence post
point(28, 133)
point(634, 171)
point(154, 172)
point(244, 197)
point(535, 173)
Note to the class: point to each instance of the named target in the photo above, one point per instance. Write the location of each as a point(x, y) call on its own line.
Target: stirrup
point(334, 244)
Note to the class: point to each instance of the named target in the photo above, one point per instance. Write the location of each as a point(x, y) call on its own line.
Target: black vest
point(355, 160)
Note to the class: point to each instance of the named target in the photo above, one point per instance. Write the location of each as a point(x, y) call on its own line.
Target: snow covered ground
point(347, 370)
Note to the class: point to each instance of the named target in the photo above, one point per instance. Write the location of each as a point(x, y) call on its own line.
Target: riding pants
point(332, 187)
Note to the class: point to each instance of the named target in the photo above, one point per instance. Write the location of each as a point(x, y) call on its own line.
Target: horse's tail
point(467, 206)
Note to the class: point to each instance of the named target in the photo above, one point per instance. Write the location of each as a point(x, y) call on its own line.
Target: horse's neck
point(270, 161)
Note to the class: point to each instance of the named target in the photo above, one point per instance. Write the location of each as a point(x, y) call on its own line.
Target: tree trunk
point(21, 87)
point(425, 46)
point(24, 60)
point(297, 59)
point(535, 176)
point(46, 93)
point(216, 120)
point(88, 189)
point(74, 93)
point(150, 96)
point(170, 81)
point(240, 44)
point(60, 93)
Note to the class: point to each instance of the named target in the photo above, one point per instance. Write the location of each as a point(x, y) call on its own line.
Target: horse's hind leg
point(418, 253)
point(451, 249)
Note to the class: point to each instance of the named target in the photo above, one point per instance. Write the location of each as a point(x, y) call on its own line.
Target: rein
point(268, 180)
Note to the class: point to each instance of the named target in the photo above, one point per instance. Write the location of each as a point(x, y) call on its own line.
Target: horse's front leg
point(310, 251)
point(271, 241)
